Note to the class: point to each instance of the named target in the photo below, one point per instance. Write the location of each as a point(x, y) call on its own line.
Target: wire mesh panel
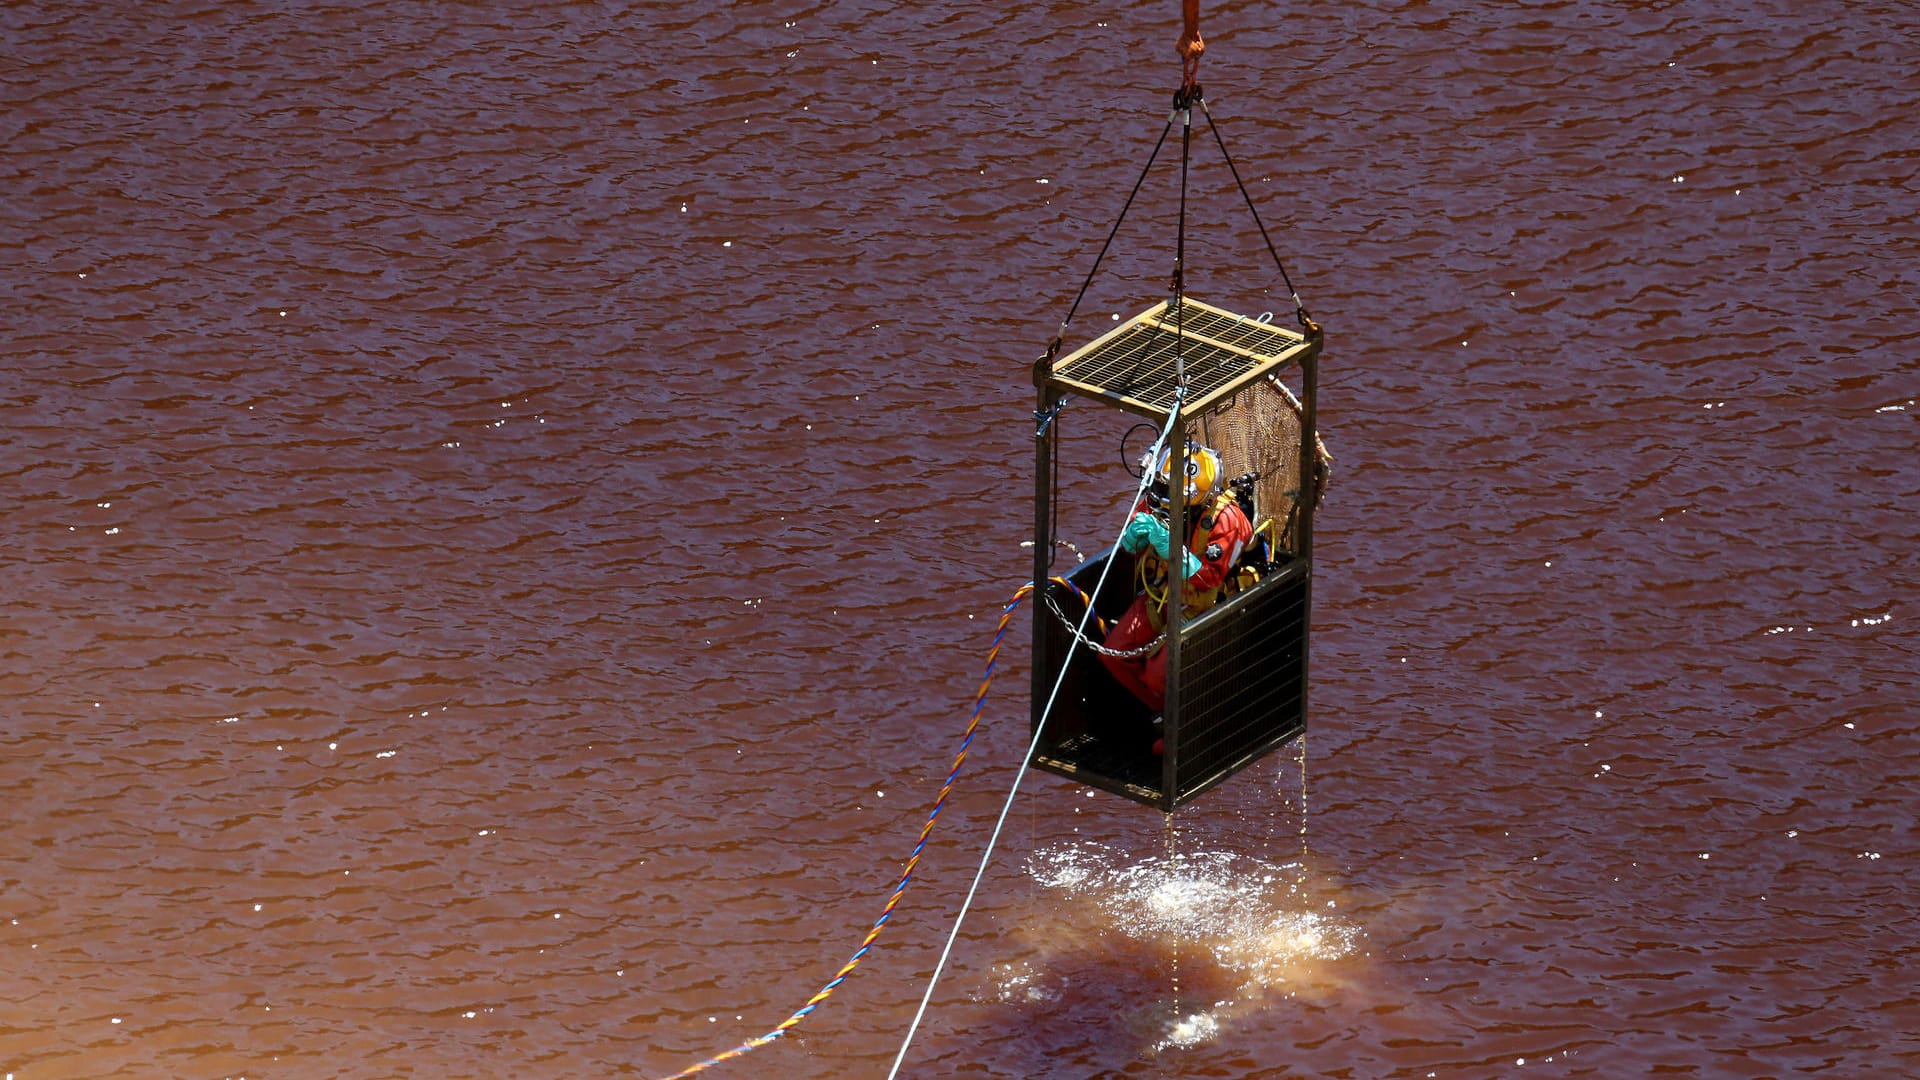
point(1243, 681)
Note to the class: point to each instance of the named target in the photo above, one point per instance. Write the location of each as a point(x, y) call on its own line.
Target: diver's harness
point(1150, 570)
point(1249, 565)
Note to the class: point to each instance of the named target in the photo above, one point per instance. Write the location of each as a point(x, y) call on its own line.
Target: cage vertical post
point(1176, 597)
point(1047, 399)
point(1309, 494)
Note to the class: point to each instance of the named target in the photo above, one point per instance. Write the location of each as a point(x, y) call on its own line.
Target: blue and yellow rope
point(906, 873)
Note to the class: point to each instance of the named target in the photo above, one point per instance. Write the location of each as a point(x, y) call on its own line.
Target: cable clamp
point(1045, 418)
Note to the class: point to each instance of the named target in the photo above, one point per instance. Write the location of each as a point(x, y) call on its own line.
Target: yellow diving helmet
point(1203, 472)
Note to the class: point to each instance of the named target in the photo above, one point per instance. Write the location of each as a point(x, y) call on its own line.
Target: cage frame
point(1220, 368)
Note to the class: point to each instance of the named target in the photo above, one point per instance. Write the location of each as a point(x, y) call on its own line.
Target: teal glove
point(1156, 531)
point(1192, 562)
point(1139, 533)
point(1144, 530)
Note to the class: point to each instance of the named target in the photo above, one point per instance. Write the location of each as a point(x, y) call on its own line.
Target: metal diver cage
point(1236, 673)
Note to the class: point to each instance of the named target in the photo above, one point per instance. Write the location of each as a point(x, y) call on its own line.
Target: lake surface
point(505, 508)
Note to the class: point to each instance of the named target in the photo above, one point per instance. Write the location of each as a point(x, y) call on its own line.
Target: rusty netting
point(1258, 431)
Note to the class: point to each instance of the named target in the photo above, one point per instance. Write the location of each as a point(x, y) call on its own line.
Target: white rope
point(1146, 477)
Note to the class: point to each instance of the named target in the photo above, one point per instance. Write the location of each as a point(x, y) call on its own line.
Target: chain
point(1118, 654)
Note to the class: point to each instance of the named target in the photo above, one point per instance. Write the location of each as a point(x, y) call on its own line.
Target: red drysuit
point(1217, 534)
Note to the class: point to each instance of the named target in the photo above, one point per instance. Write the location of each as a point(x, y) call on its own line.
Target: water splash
point(1252, 917)
point(1020, 983)
point(1190, 1031)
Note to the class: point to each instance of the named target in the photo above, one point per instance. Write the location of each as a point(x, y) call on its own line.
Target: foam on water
point(1251, 916)
point(1253, 921)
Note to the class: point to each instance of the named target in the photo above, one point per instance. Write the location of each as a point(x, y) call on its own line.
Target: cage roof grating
point(1136, 365)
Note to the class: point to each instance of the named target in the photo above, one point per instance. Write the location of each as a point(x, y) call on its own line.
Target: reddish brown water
point(505, 507)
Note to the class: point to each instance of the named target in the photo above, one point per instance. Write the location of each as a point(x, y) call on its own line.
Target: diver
point(1217, 533)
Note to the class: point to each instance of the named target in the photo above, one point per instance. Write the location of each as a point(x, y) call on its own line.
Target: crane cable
point(1299, 308)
